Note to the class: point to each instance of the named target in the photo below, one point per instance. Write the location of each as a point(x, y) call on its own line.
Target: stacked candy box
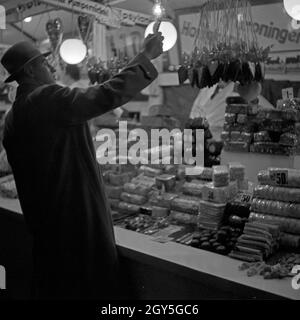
point(277, 201)
point(258, 241)
point(240, 124)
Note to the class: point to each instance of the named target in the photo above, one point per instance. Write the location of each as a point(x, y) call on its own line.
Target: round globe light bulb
point(73, 51)
point(28, 19)
point(292, 8)
point(168, 31)
point(295, 24)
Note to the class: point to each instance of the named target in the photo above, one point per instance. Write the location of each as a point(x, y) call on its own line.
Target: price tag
point(244, 197)
point(279, 177)
point(287, 93)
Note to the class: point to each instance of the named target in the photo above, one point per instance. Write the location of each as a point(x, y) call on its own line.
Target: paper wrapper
point(193, 188)
point(133, 198)
point(288, 225)
point(219, 194)
point(220, 176)
point(277, 193)
point(113, 192)
point(185, 204)
point(183, 217)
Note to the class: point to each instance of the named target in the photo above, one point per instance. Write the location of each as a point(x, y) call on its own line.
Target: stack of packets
point(278, 130)
point(240, 124)
point(277, 201)
point(215, 195)
point(274, 131)
point(115, 176)
point(258, 241)
point(135, 194)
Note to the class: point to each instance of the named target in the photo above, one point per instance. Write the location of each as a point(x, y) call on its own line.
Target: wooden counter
point(167, 271)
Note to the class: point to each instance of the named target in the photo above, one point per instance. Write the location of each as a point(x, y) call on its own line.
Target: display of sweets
point(272, 131)
point(240, 124)
point(220, 241)
point(258, 241)
point(277, 201)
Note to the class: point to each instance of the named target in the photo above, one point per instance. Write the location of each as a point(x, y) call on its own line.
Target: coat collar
point(26, 88)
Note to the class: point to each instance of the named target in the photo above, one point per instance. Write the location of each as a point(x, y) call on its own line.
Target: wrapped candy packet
point(230, 118)
point(220, 176)
point(193, 188)
point(125, 207)
point(113, 192)
point(162, 199)
point(133, 198)
point(225, 136)
point(142, 189)
point(183, 217)
point(288, 139)
point(236, 171)
point(185, 204)
point(219, 194)
point(236, 146)
point(289, 241)
point(278, 208)
point(288, 225)
point(262, 136)
point(277, 193)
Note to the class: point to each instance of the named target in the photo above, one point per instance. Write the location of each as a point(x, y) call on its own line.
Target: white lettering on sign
point(296, 278)
point(109, 16)
point(2, 18)
point(2, 278)
point(287, 93)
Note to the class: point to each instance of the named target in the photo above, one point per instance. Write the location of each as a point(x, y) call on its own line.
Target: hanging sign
point(112, 17)
point(17, 10)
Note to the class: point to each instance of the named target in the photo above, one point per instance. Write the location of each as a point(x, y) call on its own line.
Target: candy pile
point(221, 241)
point(277, 269)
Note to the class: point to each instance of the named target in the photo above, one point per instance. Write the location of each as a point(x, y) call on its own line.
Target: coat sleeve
point(73, 106)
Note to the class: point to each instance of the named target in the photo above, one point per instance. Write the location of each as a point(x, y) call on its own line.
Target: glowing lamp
point(73, 51)
point(292, 8)
point(295, 24)
point(168, 31)
point(28, 19)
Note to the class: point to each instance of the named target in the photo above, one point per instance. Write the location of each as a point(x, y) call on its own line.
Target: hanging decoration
point(84, 23)
point(101, 71)
point(225, 47)
point(54, 29)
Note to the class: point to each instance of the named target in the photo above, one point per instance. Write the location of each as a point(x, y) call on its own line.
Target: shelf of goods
point(262, 138)
point(197, 234)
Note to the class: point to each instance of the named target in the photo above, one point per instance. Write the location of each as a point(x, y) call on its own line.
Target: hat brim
point(11, 78)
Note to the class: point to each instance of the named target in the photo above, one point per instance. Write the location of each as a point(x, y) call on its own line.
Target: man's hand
point(152, 46)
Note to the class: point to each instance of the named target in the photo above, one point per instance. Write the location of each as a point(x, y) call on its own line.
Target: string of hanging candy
point(225, 46)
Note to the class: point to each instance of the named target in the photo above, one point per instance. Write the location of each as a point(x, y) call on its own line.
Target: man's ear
point(28, 70)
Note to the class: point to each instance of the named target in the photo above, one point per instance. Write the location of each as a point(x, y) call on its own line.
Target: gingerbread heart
point(84, 26)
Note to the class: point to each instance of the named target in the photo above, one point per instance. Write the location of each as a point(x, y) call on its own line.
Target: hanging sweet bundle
point(225, 46)
point(100, 71)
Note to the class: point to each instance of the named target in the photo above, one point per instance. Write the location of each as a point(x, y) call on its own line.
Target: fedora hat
point(19, 55)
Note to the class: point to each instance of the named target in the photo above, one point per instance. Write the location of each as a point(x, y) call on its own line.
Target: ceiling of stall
point(35, 29)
